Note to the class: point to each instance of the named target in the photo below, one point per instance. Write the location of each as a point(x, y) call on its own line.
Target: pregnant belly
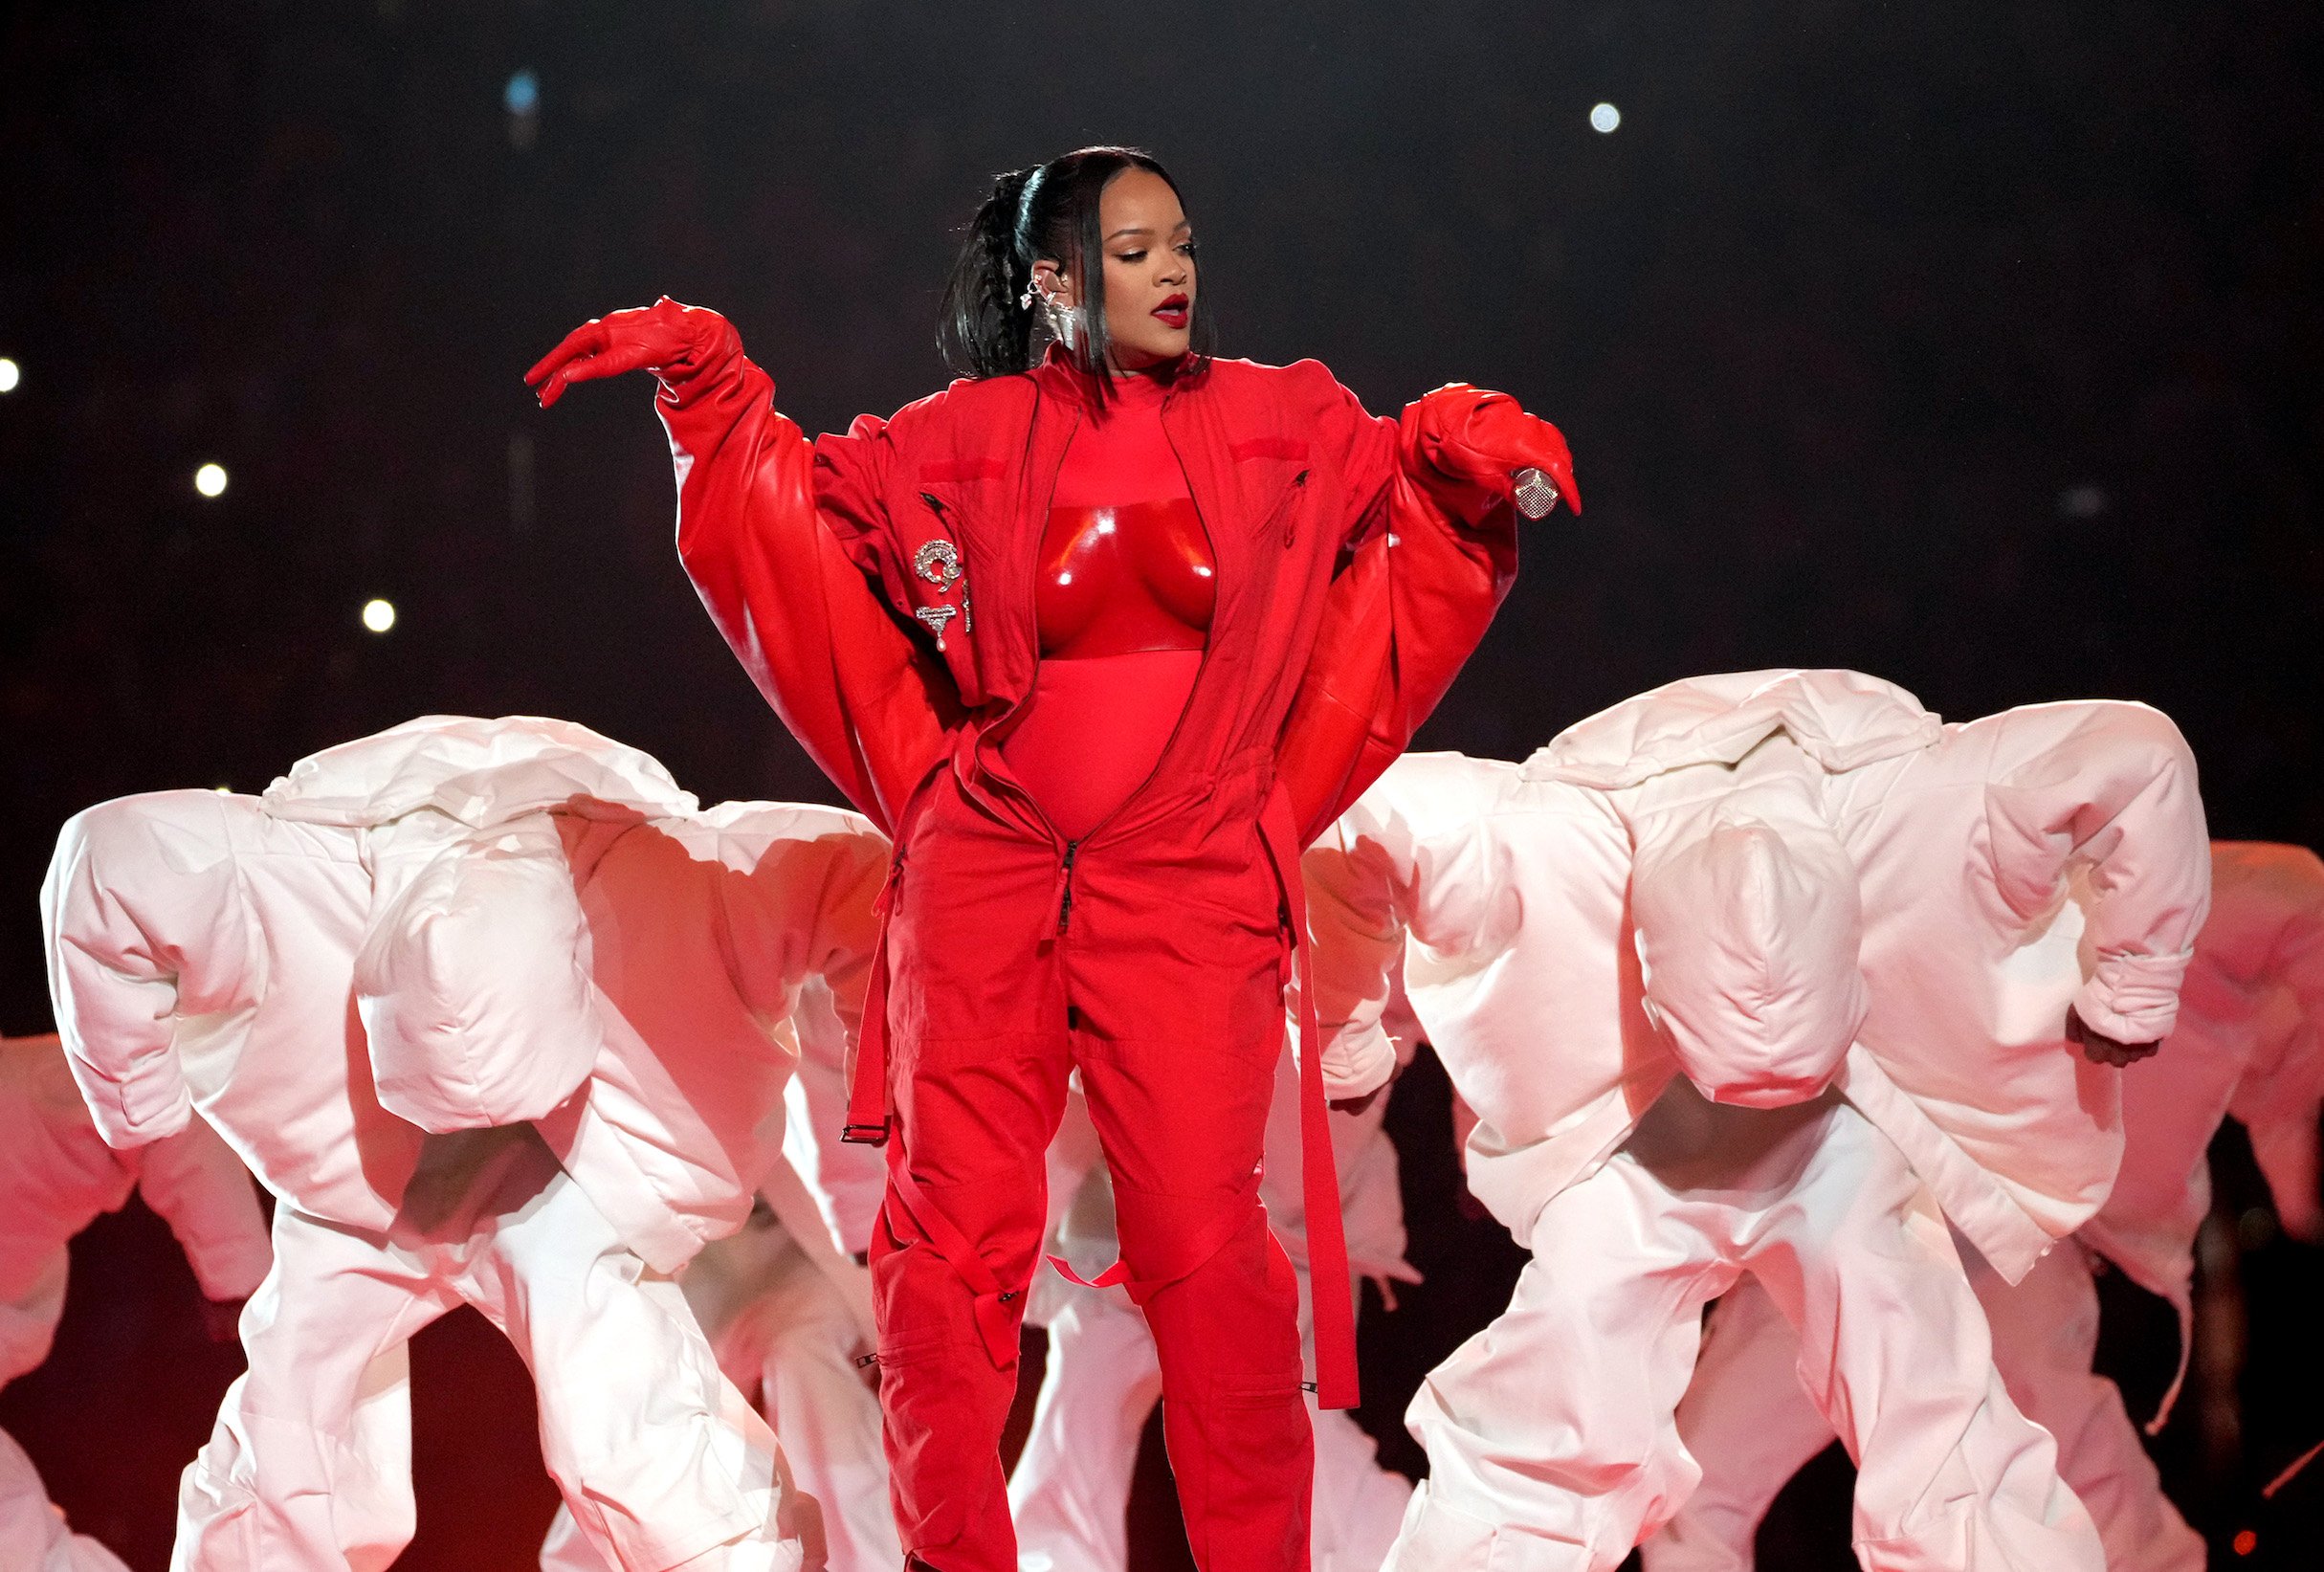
point(1094, 729)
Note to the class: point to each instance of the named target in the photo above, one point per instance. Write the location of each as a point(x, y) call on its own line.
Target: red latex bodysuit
point(1122, 601)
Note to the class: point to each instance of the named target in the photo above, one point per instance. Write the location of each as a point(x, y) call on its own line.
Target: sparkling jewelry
point(935, 617)
point(938, 562)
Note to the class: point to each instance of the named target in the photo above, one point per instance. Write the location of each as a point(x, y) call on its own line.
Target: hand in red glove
point(670, 340)
point(1477, 440)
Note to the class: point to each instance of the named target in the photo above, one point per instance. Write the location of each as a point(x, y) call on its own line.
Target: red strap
point(1327, 1269)
point(995, 1322)
point(868, 1114)
point(1199, 1250)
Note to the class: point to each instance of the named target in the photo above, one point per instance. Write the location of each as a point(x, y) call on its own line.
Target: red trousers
point(1153, 957)
point(1182, 1128)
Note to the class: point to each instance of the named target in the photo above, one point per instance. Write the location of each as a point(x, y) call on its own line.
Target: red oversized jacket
point(1355, 575)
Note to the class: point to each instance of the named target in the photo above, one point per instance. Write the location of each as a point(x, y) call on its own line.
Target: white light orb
point(10, 374)
point(379, 615)
point(211, 479)
point(1604, 118)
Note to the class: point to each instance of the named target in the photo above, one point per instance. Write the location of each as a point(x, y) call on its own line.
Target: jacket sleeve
point(847, 1180)
point(779, 538)
point(145, 922)
point(808, 909)
point(201, 1189)
point(1425, 565)
point(2278, 1096)
point(2107, 787)
point(1353, 878)
point(1386, 871)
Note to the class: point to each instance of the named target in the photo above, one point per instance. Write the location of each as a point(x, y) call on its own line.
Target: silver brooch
point(936, 616)
point(938, 562)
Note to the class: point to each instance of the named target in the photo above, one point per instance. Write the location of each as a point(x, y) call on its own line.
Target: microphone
point(1533, 492)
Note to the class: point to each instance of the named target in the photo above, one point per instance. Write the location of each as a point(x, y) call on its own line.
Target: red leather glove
point(672, 341)
point(1476, 440)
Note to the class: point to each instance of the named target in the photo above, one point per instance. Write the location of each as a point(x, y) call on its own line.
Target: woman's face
point(1149, 271)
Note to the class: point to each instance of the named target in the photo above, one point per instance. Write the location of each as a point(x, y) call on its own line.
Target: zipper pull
point(1065, 903)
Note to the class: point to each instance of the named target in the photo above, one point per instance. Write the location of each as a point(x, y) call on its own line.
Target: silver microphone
point(1536, 494)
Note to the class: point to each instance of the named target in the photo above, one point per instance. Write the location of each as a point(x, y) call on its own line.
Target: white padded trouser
point(1551, 1436)
point(1749, 1424)
point(309, 1468)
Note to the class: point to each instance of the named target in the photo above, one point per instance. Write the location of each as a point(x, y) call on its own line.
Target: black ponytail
point(986, 328)
point(983, 330)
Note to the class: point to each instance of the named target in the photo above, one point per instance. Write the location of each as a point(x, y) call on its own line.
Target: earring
point(1063, 321)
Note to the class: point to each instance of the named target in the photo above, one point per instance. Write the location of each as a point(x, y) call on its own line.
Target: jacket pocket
point(1282, 515)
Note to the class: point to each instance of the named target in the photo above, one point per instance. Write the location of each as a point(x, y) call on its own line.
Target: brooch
point(938, 562)
point(936, 616)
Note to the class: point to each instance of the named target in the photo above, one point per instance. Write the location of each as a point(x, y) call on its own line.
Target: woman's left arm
point(1432, 539)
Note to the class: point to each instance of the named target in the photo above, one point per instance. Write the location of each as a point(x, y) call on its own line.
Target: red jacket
point(1355, 572)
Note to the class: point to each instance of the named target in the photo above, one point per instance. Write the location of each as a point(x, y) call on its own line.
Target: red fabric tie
point(1327, 1271)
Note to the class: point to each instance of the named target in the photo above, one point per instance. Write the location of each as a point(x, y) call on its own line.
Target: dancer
point(56, 1175)
point(488, 1005)
point(1752, 974)
point(1071, 1490)
point(1102, 634)
point(789, 1319)
point(2247, 1043)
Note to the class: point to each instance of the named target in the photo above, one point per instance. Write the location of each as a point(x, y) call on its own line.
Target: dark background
point(1975, 345)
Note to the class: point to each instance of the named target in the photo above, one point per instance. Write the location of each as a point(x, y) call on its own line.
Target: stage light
point(1605, 117)
point(9, 375)
point(2245, 1542)
point(379, 615)
point(211, 479)
point(2082, 502)
point(522, 94)
point(222, 791)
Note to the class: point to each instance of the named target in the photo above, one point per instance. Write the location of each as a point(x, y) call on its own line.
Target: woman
point(1100, 634)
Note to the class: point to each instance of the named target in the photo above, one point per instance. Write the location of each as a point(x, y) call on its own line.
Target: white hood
point(479, 772)
point(1842, 720)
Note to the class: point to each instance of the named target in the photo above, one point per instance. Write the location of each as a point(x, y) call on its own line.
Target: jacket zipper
point(1298, 483)
point(1065, 903)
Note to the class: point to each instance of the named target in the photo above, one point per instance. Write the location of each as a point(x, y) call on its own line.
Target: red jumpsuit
point(881, 588)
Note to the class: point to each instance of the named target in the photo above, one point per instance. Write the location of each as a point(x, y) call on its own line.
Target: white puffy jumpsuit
point(1071, 1491)
point(2247, 1044)
point(1831, 891)
point(789, 1314)
point(492, 1010)
point(56, 1174)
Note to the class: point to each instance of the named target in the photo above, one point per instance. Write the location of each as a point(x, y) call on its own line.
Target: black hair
point(1049, 210)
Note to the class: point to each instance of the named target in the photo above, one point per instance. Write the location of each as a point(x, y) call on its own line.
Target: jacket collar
point(1058, 376)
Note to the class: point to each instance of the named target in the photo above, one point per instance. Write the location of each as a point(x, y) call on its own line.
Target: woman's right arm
point(784, 543)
